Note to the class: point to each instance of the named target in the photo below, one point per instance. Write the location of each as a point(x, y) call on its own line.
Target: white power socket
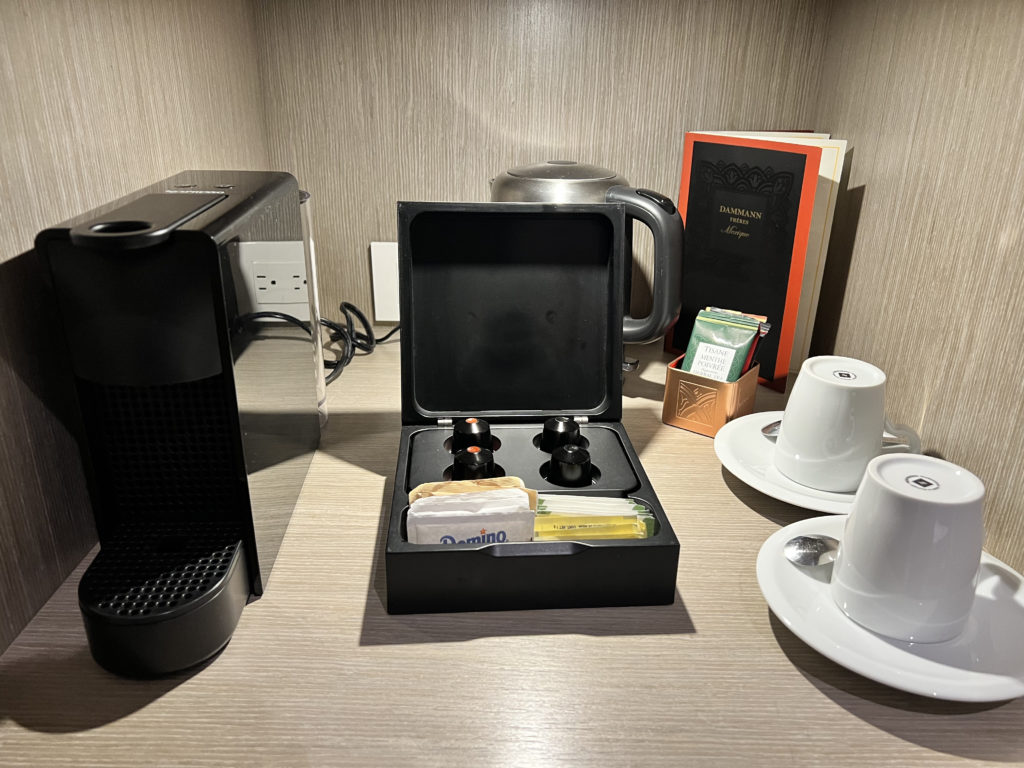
point(271, 277)
point(278, 282)
point(384, 273)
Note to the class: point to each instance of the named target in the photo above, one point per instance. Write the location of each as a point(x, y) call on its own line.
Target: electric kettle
point(566, 181)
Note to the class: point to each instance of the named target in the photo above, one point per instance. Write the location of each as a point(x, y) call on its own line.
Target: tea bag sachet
point(722, 344)
point(765, 327)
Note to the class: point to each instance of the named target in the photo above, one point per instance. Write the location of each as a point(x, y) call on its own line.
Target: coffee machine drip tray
point(161, 597)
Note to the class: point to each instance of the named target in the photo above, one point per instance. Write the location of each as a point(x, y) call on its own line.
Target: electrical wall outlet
point(278, 282)
point(271, 277)
point(384, 273)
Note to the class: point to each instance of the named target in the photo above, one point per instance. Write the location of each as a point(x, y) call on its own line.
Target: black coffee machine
point(198, 421)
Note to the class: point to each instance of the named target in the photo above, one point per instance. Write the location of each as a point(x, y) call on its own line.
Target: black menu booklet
point(747, 204)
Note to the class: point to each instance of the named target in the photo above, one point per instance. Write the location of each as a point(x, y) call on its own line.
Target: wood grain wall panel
point(376, 101)
point(931, 97)
point(369, 102)
point(100, 97)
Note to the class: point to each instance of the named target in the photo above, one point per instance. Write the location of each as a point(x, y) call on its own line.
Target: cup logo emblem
point(844, 375)
point(922, 482)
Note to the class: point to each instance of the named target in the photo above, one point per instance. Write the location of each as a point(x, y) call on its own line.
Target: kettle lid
point(555, 181)
point(568, 170)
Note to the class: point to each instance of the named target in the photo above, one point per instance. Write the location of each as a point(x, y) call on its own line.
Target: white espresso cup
point(908, 563)
point(833, 424)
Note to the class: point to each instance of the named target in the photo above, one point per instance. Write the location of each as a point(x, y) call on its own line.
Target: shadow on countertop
point(380, 628)
point(367, 439)
point(943, 726)
point(634, 386)
point(50, 683)
point(771, 509)
point(51, 693)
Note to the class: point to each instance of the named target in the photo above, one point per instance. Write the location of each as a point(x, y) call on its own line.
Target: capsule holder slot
point(582, 442)
point(499, 471)
point(595, 477)
point(494, 446)
point(430, 461)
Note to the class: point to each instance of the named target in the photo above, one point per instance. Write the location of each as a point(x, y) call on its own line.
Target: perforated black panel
point(158, 569)
point(163, 449)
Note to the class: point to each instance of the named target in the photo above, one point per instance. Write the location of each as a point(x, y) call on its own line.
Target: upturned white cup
point(833, 424)
point(908, 562)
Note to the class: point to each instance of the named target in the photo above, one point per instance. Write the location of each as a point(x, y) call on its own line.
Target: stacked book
point(758, 210)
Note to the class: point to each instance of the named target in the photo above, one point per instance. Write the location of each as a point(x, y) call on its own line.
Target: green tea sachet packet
point(721, 344)
point(756, 346)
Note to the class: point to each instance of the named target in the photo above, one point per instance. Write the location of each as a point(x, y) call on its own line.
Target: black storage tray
point(427, 578)
point(512, 313)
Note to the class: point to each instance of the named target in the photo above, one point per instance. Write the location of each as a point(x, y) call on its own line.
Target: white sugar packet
point(484, 517)
point(469, 502)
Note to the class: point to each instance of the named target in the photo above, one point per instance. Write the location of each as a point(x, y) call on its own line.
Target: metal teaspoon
point(811, 550)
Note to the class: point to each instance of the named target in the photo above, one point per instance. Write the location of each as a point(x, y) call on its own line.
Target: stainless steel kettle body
point(566, 181)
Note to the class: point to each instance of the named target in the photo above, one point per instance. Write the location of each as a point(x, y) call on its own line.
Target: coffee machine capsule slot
point(143, 222)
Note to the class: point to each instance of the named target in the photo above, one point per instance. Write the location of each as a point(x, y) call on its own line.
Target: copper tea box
point(512, 313)
point(703, 405)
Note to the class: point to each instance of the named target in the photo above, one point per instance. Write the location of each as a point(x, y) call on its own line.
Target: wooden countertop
point(317, 672)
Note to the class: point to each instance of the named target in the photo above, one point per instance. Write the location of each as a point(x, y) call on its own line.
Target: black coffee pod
point(473, 463)
point(559, 430)
point(471, 431)
point(570, 466)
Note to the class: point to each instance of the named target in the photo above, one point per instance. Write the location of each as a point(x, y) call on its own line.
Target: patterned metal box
point(704, 405)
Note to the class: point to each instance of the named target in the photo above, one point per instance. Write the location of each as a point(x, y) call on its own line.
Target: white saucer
point(986, 663)
point(746, 453)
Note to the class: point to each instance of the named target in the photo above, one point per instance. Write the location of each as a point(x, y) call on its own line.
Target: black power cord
point(351, 339)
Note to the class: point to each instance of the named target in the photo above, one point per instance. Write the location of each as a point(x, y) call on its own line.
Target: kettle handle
point(665, 223)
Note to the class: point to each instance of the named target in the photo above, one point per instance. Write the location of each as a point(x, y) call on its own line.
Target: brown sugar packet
point(450, 487)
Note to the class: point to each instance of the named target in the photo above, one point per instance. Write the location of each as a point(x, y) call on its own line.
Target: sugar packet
point(485, 517)
point(582, 518)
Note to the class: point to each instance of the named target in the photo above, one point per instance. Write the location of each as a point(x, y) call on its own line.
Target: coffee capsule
point(570, 466)
point(473, 463)
point(559, 430)
point(471, 431)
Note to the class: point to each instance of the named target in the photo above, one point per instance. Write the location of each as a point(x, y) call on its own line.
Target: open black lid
point(511, 311)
